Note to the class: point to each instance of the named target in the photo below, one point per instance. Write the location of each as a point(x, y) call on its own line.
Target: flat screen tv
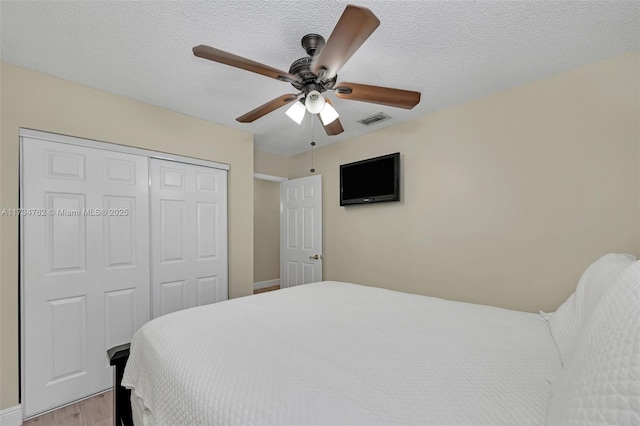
point(370, 181)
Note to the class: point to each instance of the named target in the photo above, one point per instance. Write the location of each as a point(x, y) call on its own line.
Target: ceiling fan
point(318, 73)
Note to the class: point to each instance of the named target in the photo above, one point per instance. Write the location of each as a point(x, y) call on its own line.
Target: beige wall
point(266, 230)
point(36, 101)
point(270, 164)
point(505, 199)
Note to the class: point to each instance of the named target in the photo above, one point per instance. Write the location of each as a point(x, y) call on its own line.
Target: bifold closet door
point(188, 236)
point(85, 266)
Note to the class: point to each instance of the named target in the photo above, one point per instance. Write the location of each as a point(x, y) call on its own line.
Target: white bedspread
point(337, 353)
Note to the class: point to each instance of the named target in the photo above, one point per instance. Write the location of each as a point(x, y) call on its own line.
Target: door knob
point(316, 257)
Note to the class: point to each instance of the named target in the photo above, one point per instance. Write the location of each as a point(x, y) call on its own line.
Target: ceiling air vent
point(375, 118)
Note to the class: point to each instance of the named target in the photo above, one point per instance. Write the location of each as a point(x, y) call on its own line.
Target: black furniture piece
point(118, 357)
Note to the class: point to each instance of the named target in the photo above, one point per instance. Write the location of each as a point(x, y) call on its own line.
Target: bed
point(339, 353)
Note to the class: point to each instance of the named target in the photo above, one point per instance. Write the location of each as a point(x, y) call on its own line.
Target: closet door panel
point(188, 236)
point(85, 266)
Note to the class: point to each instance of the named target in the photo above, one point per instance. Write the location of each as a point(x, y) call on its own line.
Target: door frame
point(277, 179)
point(270, 178)
point(88, 143)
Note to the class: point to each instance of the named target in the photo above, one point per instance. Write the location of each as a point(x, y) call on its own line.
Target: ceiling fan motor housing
point(301, 68)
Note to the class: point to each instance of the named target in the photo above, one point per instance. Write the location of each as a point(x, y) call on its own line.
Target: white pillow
point(600, 383)
point(566, 322)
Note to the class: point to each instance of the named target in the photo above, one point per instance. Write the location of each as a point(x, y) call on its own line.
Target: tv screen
point(370, 181)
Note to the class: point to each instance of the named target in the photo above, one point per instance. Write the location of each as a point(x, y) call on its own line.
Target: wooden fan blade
point(265, 109)
point(378, 95)
point(354, 27)
point(333, 128)
point(217, 55)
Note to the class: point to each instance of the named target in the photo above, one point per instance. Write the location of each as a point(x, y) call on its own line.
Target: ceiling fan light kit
point(315, 103)
point(318, 73)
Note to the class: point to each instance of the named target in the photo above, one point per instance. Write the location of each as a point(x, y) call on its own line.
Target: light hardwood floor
point(263, 290)
point(95, 411)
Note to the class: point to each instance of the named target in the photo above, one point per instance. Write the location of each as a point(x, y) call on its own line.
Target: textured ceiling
point(451, 51)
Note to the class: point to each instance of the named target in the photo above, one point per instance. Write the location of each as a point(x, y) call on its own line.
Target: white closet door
point(85, 266)
point(188, 236)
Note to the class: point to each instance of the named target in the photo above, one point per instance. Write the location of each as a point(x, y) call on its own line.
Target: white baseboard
point(263, 284)
point(11, 416)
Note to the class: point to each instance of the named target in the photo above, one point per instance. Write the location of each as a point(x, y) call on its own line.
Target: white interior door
point(301, 231)
point(85, 267)
point(189, 236)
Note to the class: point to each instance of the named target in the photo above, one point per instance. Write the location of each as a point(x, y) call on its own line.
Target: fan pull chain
point(313, 144)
